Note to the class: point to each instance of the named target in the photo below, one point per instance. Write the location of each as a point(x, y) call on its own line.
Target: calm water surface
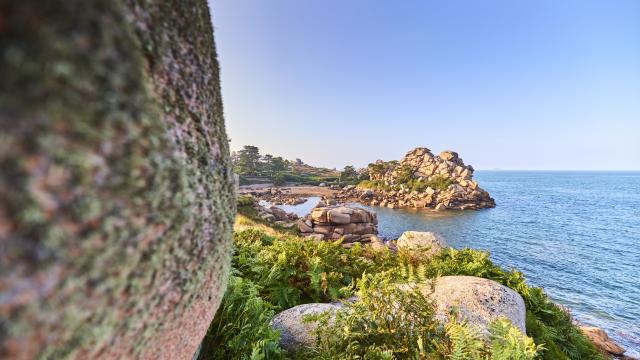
point(576, 234)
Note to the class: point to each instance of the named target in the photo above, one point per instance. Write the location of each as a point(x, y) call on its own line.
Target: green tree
point(349, 173)
point(248, 160)
point(278, 164)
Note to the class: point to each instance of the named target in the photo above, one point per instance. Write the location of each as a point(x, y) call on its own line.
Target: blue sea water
point(576, 234)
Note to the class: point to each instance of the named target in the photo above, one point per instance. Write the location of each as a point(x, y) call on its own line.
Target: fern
point(465, 342)
point(275, 272)
point(508, 343)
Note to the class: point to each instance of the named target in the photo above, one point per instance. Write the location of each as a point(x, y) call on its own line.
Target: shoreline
point(302, 191)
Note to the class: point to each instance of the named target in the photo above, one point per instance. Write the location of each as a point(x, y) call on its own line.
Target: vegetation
point(278, 270)
point(378, 169)
point(349, 175)
point(389, 322)
point(256, 168)
point(437, 183)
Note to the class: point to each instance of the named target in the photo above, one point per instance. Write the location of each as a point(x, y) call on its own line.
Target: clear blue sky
point(544, 84)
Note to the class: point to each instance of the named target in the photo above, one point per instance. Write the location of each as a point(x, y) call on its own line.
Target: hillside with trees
point(255, 168)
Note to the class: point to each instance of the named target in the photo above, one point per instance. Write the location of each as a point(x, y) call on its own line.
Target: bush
point(245, 200)
point(278, 179)
point(385, 322)
point(438, 182)
point(287, 270)
point(240, 329)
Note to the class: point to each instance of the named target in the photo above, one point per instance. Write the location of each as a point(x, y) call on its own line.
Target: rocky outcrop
point(295, 333)
point(340, 222)
point(421, 180)
point(116, 189)
point(426, 243)
point(601, 340)
point(476, 300)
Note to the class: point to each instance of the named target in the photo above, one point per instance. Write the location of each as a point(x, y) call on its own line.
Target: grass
point(276, 270)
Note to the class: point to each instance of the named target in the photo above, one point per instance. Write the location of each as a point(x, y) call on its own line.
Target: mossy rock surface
point(116, 190)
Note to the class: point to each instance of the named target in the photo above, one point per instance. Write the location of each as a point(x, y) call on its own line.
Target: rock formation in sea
point(421, 180)
point(116, 188)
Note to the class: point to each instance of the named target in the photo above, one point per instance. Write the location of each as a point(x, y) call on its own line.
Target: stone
point(279, 213)
point(316, 237)
point(303, 227)
point(428, 243)
point(295, 333)
point(476, 300)
point(319, 215)
point(349, 223)
point(377, 244)
point(113, 139)
point(601, 340)
point(336, 216)
point(285, 224)
point(323, 229)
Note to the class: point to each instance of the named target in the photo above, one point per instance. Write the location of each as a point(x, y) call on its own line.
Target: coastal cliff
point(421, 180)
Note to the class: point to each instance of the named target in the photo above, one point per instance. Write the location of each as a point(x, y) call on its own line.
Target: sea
point(575, 234)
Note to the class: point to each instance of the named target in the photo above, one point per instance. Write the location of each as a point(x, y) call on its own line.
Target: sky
point(512, 85)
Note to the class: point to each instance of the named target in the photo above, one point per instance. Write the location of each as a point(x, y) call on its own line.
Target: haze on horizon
point(538, 85)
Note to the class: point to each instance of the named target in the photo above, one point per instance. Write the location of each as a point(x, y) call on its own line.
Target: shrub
point(385, 322)
point(244, 200)
point(291, 271)
point(278, 179)
point(287, 270)
point(389, 321)
point(438, 182)
point(240, 329)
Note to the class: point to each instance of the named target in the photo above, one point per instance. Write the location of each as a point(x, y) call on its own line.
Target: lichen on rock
point(116, 191)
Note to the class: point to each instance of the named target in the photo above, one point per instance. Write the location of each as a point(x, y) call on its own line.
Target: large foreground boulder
point(295, 332)
point(478, 301)
point(116, 190)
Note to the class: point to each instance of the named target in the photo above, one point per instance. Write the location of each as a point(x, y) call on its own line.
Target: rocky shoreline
point(331, 222)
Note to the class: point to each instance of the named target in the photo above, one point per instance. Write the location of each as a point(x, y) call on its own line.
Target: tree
point(349, 173)
point(248, 160)
point(278, 164)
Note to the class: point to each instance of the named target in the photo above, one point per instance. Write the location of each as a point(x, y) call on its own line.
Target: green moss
point(118, 171)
